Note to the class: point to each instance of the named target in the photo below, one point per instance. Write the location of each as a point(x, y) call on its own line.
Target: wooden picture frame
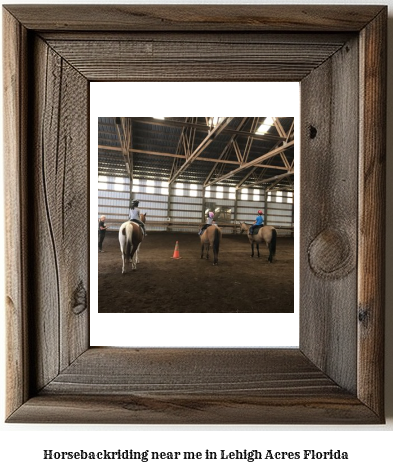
point(338, 54)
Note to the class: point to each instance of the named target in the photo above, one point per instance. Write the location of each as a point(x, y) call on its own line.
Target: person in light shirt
point(135, 215)
point(209, 222)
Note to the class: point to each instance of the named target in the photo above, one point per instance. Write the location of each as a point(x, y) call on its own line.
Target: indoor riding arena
point(184, 171)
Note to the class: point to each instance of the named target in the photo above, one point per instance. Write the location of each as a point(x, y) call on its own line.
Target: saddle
point(140, 223)
point(256, 229)
point(137, 221)
point(202, 229)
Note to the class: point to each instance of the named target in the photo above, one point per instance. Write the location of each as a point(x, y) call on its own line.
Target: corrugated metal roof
point(161, 149)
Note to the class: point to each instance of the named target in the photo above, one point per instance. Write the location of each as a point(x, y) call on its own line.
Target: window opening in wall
point(119, 186)
point(179, 191)
point(150, 186)
point(193, 190)
point(222, 214)
point(219, 192)
point(135, 185)
point(208, 192)
point(244, 195)
point(164, 187)
point(279, 196)
point(102, 182)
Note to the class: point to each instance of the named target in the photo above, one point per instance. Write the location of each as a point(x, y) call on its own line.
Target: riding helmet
point(260, 212)
point(211, 214)
point(135, 203)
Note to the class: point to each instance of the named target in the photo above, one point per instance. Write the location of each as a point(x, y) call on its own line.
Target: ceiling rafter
point(253, 162)
point(182, 157)
point(276, 179)
point(165, 149)
point(205, 143)
point(225, 153)
point(254, 128)
point(124, 134)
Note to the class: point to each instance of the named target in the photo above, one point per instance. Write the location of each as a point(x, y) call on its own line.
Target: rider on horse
point(209, 222)
point(135, 216)
point(258, 222)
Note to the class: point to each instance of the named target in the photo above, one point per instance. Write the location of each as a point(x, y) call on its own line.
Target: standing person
point(258, 222)
point(209, 222)
point(135, 215)
point(101, 232)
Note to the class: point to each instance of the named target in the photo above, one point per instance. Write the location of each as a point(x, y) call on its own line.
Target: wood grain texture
point(15, 215)
point(372, 196)
point(58, 173)
point(328, 248)
point(214, 60)
point(61, 207)
point(193, 386)
point(195, 18)
point(52, 374)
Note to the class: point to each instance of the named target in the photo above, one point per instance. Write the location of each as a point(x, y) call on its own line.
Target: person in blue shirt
point(258, 222)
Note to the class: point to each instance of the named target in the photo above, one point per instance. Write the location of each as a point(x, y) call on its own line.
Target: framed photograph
point(52, 53)
point(172, 292)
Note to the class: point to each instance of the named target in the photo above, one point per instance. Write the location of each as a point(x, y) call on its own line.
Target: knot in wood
point(80, 299)
point(330, 254)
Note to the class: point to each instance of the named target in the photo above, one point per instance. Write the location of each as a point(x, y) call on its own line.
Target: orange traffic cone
point(176, 253)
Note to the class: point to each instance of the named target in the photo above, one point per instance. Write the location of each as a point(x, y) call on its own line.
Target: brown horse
point(267, 234)
point(130, 238)
point(211, 237)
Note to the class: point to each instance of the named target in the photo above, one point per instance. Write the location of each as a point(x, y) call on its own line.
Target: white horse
point(130, 238)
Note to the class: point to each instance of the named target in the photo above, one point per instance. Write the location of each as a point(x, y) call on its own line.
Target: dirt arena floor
point(161, 284)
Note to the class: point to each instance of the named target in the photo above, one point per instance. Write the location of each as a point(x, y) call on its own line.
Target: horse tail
point(128, 244)
point(273, 242)
point(216, 241)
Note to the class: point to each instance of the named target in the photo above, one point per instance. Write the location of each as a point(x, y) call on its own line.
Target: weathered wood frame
point(53, 375)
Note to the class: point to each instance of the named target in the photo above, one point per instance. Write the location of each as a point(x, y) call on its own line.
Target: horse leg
point(124, 259)
point(123, 269)
point(134, 257)
point(207, 251)
point(252, 249)
point(123, 255)
point(270, 257)
point(258, 250)
point(134, 261)
point(137, 253)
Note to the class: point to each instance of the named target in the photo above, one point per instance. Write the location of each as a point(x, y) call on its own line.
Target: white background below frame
point(169, 99)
